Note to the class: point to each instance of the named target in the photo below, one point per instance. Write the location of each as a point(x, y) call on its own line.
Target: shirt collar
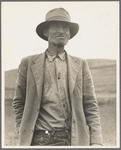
point(52, 57)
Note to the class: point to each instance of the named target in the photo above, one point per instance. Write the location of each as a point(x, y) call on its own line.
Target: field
point(104, 76)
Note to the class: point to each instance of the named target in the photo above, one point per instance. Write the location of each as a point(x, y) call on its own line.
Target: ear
point(45, 32)
point(69, 32)
point(69, 35)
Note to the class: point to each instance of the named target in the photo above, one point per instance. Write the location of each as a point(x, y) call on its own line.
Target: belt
point(39, 132)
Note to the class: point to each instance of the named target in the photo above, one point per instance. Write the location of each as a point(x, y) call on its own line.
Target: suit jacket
point(85, 126)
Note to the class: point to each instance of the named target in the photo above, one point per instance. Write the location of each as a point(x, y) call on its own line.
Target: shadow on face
point(57, 33)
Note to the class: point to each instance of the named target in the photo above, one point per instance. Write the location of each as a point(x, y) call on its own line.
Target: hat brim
point(74, 28)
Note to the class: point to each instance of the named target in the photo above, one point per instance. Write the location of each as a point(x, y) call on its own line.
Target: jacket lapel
point(38, 72)
point(73, 69)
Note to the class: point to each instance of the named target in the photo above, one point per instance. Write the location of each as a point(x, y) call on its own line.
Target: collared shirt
point(55, 108)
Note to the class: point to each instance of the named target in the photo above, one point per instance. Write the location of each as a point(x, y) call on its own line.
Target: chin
point(62, 43)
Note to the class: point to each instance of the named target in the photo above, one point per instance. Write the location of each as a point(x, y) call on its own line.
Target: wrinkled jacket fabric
point(85, 126)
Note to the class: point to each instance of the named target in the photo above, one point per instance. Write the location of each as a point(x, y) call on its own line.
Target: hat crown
point(58, 14)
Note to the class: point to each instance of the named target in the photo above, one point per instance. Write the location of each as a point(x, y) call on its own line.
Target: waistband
point(53, 138)
point(56, 131)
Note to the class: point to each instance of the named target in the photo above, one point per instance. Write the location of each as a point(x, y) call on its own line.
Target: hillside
point(10, 79)
point(95, 63)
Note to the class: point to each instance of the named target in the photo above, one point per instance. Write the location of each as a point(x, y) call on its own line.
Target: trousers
point(53, 138)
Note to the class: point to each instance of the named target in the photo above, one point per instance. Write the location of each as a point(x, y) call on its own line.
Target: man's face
point(58, 33)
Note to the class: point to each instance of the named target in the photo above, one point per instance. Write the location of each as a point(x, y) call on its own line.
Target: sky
point(98, 36)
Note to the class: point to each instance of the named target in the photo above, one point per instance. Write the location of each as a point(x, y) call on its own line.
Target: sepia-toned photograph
point(60, 74)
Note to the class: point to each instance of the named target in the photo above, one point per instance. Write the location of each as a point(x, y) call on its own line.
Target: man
point(55, 102)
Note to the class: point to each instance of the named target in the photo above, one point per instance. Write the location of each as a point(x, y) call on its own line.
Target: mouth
point(61, 37)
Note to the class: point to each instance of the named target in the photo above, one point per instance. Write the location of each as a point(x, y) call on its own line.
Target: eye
point(65, 27)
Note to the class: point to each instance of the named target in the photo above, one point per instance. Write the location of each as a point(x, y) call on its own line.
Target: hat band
point(58, 18)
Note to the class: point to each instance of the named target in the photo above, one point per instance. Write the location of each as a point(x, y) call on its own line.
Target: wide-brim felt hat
point(57, 15)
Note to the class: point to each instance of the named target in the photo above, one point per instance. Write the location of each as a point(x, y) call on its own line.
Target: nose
point(61, 30)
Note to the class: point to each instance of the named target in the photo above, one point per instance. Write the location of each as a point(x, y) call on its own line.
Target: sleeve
point(20, 93)
point(91, 109)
